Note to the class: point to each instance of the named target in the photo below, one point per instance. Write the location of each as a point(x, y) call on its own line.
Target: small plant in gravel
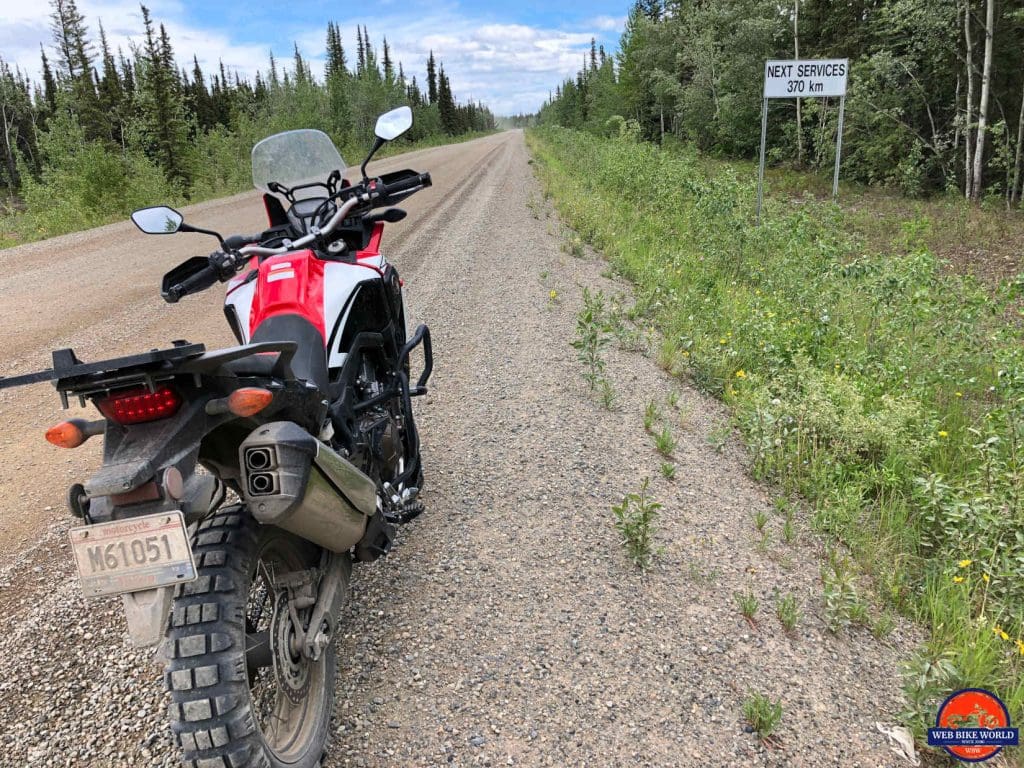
point(668, 356)
point(673, 399)
point(573, 245)
point(760, 520)
point(608, 395)
point(719, 436)
point(842, 604)
point(664, 441)
point(748, 604)
point(590, 337)
point(763, 714)
point(651, 415)
point(883, 625)
point(788, 612)
point(668, 470)
point(635, 520)
point(788, 529)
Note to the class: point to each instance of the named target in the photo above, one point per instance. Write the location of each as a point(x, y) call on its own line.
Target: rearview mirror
point(393, 124)
point(160, 220)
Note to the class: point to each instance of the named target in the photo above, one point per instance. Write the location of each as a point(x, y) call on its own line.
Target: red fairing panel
point(290, 284)
point(372, 248)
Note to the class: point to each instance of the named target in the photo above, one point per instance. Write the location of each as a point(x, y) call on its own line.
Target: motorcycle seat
point(254, 365)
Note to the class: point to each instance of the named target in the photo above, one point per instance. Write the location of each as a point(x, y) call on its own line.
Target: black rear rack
point(68, 370)
point(71, 376)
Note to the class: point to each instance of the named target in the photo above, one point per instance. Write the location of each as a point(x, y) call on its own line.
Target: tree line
point(103, 130)
point(935, 98)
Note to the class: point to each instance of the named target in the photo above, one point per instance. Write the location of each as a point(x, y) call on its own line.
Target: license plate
point(133, 555)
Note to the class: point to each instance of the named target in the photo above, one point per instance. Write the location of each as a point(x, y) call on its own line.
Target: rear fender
point(146, 613)
point(133, 456)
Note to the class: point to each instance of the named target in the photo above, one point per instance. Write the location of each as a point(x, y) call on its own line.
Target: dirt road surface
point(507, 627)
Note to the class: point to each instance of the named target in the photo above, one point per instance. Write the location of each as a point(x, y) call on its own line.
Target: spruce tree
point(431, 79)
point(71, 37)
point(274, 82)
point(360, 52)
point(111, 93)
point(337, 84)
point(160, 105)
point(200, 97)
point(49, 83)
point(446, 104)
point(389, 70)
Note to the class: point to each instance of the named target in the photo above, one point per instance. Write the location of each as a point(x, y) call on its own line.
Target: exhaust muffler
point(294, 481)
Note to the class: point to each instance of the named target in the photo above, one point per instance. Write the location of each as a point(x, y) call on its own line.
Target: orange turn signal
point(66, 435)
point(248, 401)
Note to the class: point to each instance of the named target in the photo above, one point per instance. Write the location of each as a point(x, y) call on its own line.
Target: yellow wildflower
point(741, 374)
point(1000, 632)
point(958, 579)
point(985, 577)
point(959, 394)
point(1020, 647)
point(553, 294)
point(722, 341)
point(1003, 635)
point(943, 433)
point(964, 563)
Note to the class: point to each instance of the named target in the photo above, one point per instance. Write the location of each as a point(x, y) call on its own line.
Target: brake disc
point(291, 668)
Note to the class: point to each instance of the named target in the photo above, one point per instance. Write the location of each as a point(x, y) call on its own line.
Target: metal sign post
point(798, 80)
point(760, 167)
point(839, 147)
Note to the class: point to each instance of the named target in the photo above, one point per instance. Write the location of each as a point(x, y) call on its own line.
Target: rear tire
point(218, 716)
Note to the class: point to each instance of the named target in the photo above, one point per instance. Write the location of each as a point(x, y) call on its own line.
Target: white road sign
point(800, 79)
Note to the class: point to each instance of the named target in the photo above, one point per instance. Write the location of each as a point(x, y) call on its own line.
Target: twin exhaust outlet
point(294, 481)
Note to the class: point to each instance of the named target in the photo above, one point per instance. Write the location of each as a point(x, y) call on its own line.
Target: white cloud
point(608, 23)
point(510, 66)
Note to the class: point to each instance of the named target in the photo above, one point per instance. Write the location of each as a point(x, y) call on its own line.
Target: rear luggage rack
point(71, 376)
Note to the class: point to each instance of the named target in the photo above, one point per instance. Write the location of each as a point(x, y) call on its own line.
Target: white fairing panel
point(241, 300)
point(340, 281)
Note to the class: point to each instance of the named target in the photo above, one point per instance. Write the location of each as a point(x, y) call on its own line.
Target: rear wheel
point(241, 694)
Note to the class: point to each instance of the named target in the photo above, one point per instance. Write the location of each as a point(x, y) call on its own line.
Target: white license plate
point(133, 555)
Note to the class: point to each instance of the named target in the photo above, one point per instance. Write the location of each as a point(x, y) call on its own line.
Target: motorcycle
point(239, 485)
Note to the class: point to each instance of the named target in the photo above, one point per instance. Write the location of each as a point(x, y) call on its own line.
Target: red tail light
point(137, 406)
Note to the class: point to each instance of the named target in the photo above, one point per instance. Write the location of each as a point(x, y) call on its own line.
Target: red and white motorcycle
point(308, 423)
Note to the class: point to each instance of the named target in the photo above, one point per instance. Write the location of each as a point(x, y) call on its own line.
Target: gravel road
point(507, 627)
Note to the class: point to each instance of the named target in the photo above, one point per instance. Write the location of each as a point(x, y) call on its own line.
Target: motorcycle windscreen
point(294, 158)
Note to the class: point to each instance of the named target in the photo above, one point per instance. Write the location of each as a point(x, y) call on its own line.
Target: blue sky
point(507, 55)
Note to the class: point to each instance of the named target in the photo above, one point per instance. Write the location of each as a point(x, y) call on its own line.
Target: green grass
point(651, 415)
point(864, 374)
point(664, 441)
point(788, 612)
point(747, 604)
point(763, 714)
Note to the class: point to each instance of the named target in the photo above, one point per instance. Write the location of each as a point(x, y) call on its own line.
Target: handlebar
point(223, 265)
point(200, 281)
point(404, 185)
